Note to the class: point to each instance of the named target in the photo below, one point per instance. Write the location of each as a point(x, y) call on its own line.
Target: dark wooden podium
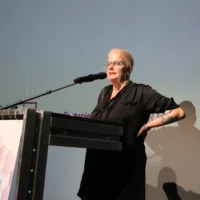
point(41, 129)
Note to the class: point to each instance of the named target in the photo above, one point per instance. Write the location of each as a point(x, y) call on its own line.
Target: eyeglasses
point(118, 64)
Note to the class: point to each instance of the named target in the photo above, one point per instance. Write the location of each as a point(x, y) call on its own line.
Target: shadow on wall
point(177, 173)
point(167, 188)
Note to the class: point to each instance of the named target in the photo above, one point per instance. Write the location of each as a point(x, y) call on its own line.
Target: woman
point(111, 175)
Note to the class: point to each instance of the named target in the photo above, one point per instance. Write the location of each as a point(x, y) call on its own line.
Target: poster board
point(10, 134)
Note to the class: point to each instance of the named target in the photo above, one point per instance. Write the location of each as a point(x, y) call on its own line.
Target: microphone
point(90, 77)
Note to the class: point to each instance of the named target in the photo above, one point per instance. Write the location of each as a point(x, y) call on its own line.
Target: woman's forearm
point(168, 118)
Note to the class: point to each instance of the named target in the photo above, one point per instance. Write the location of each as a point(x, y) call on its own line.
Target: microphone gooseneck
point(79, 80)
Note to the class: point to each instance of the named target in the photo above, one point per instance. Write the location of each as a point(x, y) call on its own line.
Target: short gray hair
point(128, 56)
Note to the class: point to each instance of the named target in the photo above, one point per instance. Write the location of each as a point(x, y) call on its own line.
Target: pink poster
point(10, 133)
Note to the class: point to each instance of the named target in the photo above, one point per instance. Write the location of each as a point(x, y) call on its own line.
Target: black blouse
point(131, 106)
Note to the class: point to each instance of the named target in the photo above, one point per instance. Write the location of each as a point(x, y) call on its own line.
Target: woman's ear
point(130, 69)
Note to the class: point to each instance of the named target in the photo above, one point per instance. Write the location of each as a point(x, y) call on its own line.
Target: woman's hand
point(144, 129)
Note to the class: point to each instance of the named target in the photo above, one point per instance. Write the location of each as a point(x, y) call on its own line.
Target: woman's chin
point(113, 79)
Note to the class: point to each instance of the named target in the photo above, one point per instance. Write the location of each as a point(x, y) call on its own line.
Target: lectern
point(28, 133)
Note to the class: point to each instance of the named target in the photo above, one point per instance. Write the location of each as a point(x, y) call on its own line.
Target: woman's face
point(116, 67)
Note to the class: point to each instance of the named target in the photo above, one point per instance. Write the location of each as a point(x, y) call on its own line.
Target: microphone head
point(90, 77)
point(102, 75)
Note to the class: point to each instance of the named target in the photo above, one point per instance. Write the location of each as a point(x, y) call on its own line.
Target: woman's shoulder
point(140, 85)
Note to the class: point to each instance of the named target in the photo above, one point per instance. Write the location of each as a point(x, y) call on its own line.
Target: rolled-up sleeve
point(154, 102)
